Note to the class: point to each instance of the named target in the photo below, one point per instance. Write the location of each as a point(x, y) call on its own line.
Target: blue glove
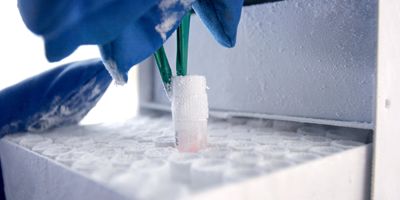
point(61, 96)
point(141, 38)
point(221, 17)
point(127, 31)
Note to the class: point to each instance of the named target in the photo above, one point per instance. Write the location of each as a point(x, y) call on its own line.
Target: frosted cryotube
point(89, 163)
point(208, 172)
point(40, 147)
point(267, 140)
point(70, 157)
point(16, 137)
point(243, 145)
point(55, 151)
point(123, 161)
point(190, 112)
point(180, 166)
point(165, 141)
point(159, 153)
point(272, 152)
point(216, 152)
point(31, 140)
point(245, 159)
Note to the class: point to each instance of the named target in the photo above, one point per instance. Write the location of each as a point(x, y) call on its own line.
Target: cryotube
point(267, 140)
point(31, 140)
point(137, 149)
point(16, 137)
point(55, 151)
point(296, 146)
point(243, 145)
point(88, 163)
point(190, 112)
point(272, 151)
point(165, 141)
point(180, 166)
point(207, 172)
point(154, 168)
point(69, 157)
point(159, 153)
point(40, 147)
point(88, 148)
point(122, 143)
point(216, 152)
point(139, 185)
point(124, 161)
point(106, 153)
point(149, 136)
point(245, 159)
point(77, 141)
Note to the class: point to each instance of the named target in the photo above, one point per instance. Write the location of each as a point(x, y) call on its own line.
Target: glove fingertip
point(55, 53)
point(221, 17)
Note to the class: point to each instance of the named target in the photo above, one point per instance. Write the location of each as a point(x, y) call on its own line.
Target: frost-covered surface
point(314, 59)
point(139, 159)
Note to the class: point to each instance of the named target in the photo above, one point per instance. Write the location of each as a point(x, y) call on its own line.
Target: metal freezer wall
point(303, 59)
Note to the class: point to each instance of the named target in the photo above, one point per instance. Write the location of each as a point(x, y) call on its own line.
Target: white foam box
point(344, 175)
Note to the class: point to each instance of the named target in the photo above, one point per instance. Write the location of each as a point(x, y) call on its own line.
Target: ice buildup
point(190, 112)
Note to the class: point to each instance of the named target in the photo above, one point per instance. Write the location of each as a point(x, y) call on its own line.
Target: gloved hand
point(60, 96)
point(127, 31)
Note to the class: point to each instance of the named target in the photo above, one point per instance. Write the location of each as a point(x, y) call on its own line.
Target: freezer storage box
point(245, 159)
